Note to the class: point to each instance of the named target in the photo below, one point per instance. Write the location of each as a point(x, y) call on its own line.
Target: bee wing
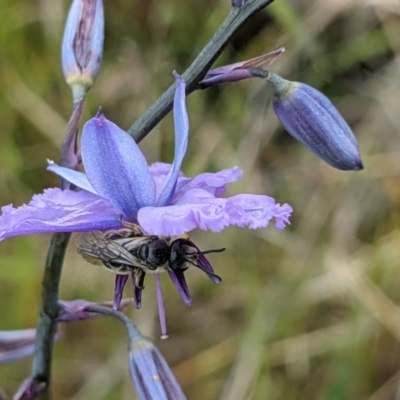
point(96, 249)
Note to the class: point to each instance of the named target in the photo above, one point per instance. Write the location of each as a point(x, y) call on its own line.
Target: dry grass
point(307, 313)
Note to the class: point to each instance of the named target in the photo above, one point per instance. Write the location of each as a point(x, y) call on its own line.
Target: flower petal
point(197, 208)
point(77, 178)
point(214, 182)
point(179, 281)
point(151, 374)
point(228, 77)
point(116, 167)
point(255, 211)
point(178, 219)
point(59, 210)
point(160, 169)
point(18, 344)
point(206, 266)
point(240, 70)
point(159, 172)
point(76, 310)
point(181, 123)
point(15, 345)
point(120, 281)
point(260, 62)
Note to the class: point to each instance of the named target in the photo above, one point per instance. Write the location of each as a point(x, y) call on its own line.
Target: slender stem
point(47, 324)
point(47, 321)
point(46, 328)
point(133, 332)
point(161, 309)
point(198, 68)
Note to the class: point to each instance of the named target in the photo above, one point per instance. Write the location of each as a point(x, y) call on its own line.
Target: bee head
point(181, 252)
point(184, 253)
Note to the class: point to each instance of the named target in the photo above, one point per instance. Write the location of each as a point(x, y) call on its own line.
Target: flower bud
point(70, 155)
point(240, 70)
point(82, 47)
point(150, 372)
point(313, 120)
point(76, 310)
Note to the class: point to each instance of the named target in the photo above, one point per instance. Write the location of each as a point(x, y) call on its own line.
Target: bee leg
point(133, 227)
point(138, 278)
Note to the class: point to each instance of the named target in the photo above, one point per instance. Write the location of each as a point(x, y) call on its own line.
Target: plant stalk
point(46, 327)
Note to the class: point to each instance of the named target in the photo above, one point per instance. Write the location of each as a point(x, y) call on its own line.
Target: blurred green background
point(306, 313)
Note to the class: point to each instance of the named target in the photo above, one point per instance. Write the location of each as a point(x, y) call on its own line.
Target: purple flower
point(82, 46)
point(15, 345)
point(240, 70)
point(118, 182)
point(151, 374)
point(238, 3)
point(76, 310)
point(313, 120)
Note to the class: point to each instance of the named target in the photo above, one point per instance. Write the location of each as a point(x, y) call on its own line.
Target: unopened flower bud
point(150, 372)
point(240, 70)
point(70, 155)
point(311, 118)
point(82, 47)
point(76, 310)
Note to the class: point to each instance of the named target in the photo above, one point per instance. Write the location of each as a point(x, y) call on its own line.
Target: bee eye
point(177, 257)
point(144, 252)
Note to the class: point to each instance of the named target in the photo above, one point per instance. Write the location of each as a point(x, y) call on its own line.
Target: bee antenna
point(205, 270)
point(210, 251)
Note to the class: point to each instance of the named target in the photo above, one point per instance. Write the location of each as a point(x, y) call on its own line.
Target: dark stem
point(47, 324)
point(46, 328)
point(198, 68)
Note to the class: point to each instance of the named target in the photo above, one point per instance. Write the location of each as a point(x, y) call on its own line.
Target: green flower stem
point(46, 328)
point(133, 332)
point(47, 323)
point(198, 68)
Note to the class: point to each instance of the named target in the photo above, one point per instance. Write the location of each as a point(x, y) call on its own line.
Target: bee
point(130, 250)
